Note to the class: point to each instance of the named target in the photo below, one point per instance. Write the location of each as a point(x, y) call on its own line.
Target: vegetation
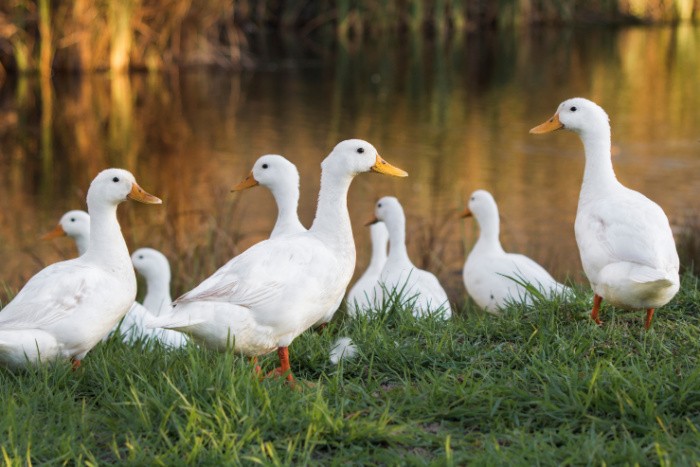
point(41, 35)
point(542, 385)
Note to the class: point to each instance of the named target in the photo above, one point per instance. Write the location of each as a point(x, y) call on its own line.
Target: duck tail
point(170, 322)
point(651, 276)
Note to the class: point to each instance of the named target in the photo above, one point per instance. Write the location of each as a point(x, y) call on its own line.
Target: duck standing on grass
point(281, 177)
point(155, 269)
point(624, 239)
point(400, 279)
point(265, 297)
point(493, 277)
point(67, 307)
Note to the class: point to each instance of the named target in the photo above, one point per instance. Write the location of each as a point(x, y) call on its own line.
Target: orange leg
point(256, 367)
point(284, 368)
point(74, 364)
point(650, 316)
point(597, 300)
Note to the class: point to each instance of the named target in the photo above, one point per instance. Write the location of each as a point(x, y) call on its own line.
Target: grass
point(542, 385)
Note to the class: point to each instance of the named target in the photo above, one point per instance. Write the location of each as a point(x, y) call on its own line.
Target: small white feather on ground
point(342, 349)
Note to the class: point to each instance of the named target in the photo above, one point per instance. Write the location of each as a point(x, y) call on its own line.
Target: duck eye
point(72, 219)
point(573, 109)
point(115, 179)
point(473, 198)
point(140, 256)
point(379, 205)
point(264, 166)
point(360, 150)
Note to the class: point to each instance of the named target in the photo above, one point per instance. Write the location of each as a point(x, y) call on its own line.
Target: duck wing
point(53, 294)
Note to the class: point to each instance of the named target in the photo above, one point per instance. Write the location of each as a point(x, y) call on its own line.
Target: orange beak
point(466, 213)
point(373, 220)
point(247, 182)
point(138, 194)
point(55, 233)
point(550, 125)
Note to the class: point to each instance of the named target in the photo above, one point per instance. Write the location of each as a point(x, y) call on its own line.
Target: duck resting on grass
point(362, 296)
point(492, 277)
point(67, 307)
point(624, 239)
point(155, 269)
point(262, 299)
point(400, 278)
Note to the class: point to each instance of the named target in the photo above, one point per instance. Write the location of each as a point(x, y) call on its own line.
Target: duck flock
point(262, 299)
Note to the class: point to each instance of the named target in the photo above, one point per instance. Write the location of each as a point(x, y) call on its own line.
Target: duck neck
point(332, 221)
point(378, 259)
point(82, 242)
point(287, 203)
point(490, 230)
point(107, 245)
point(397, 239)
point(158, 294)
point(598, 175)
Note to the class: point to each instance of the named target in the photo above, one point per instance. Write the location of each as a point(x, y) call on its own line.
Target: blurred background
point(187, 94)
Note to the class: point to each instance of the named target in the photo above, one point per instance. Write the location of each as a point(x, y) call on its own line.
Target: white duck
point(76, 225)
point(281, 177)
point(265, 297)
point(624, 239)
point(418, 288)
point(362, 295)
point(67, 307)
point(155, 268)
point(493, 277)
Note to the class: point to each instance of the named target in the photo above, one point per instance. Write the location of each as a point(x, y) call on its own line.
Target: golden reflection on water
point(455, 116)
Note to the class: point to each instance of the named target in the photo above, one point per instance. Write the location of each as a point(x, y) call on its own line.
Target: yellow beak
point(247, 182)
point(55, 233)
point(383, 167)
point(465, 213)
point(550, 125)
point(138, 194)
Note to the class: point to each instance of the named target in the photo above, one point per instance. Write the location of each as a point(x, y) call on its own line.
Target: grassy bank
point(542, 385)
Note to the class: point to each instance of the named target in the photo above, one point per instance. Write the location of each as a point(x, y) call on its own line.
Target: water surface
point(455, 114)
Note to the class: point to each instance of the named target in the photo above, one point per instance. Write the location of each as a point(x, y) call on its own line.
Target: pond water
point(455, 114)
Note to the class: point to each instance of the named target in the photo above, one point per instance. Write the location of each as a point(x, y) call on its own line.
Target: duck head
point(388, 210)
point(74, 224)
point(354, 156)
point(578, 115)
point(113, 186)
point(481, 206)
point(272, 171)
point(151, 264)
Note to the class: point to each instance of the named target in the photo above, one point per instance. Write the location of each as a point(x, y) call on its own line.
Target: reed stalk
point(118, 35)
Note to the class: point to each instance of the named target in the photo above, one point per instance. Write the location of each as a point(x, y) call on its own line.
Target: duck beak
point(383, 167)
point(550, 125)
point(247, 182)
point(138, 194)
point(55, 233)
point(373, 220)
point(466, 213)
